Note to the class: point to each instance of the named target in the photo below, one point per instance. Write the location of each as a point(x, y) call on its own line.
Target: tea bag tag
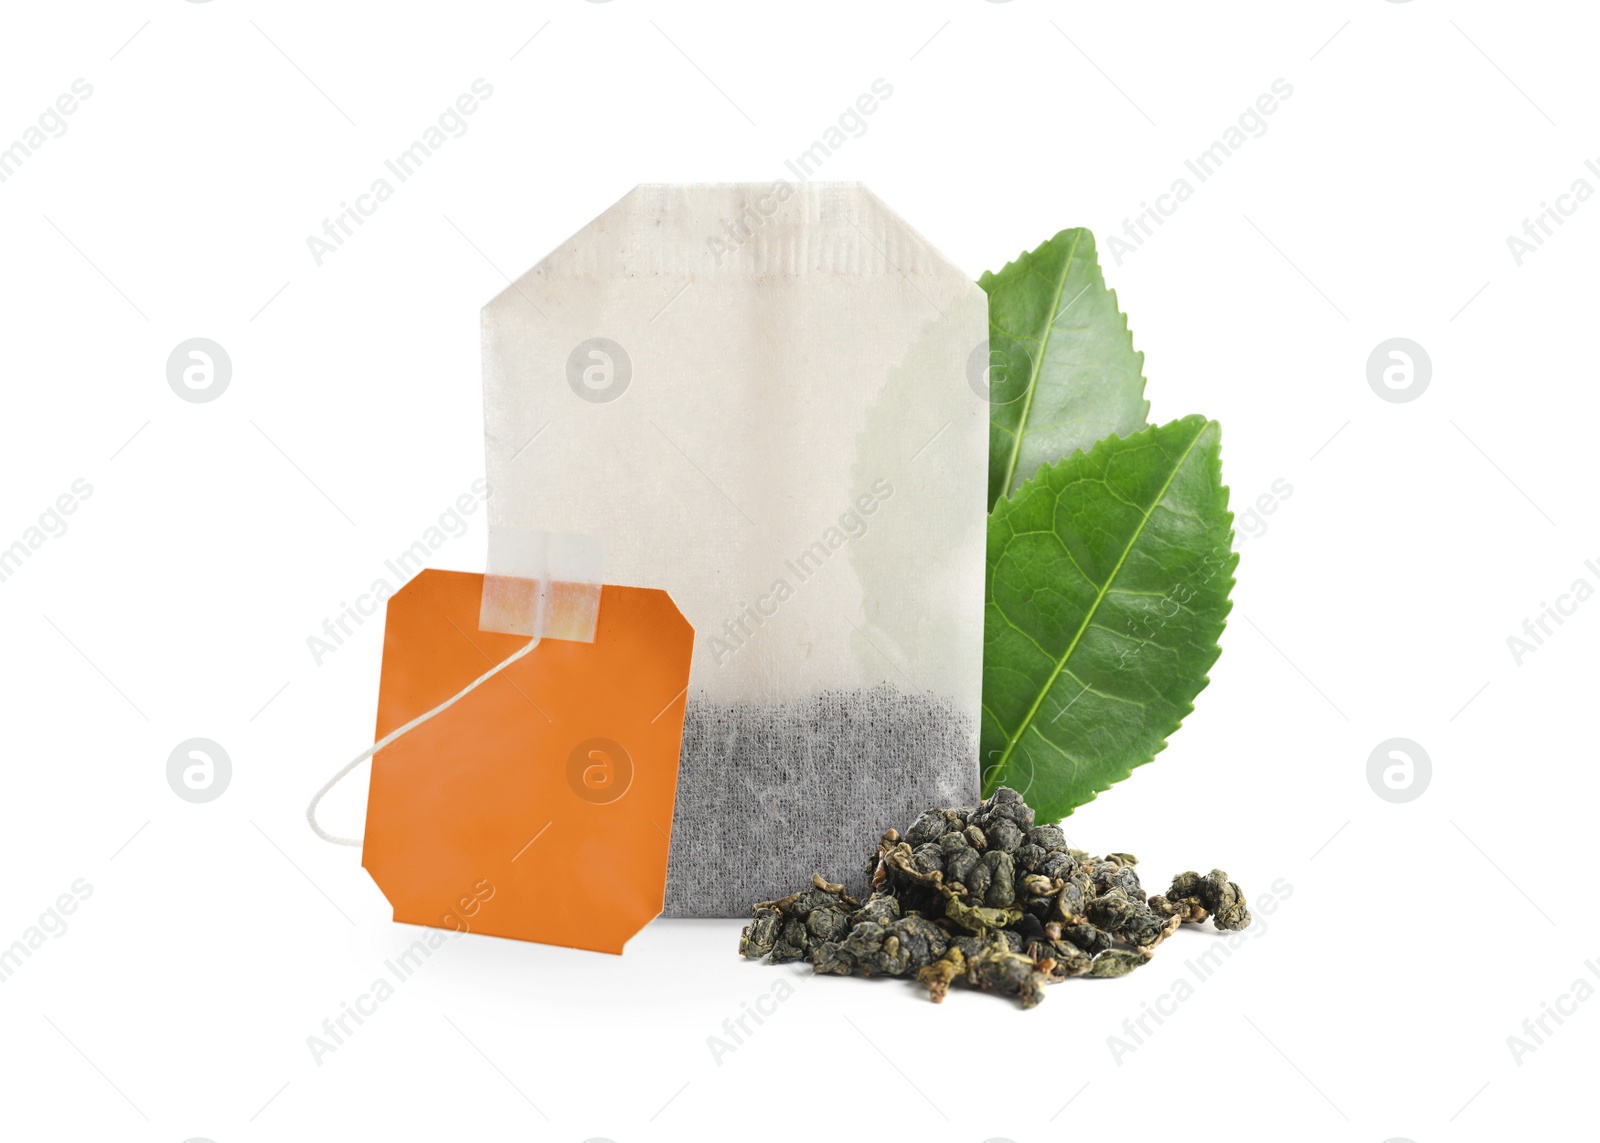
point(538, 804)
point(543, 584)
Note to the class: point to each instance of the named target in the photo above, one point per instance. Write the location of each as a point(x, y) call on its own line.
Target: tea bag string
point(311, 810)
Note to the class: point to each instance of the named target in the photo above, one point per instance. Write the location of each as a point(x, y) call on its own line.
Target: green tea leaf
point(1107, 590)
point(1062, 368)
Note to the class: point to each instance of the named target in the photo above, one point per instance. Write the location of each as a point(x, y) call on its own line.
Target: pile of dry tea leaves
point(986, 898)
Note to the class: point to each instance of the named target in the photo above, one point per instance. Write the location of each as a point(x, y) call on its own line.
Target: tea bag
point(769, 401)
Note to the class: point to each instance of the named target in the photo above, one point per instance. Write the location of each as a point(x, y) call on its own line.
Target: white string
point(311, 810)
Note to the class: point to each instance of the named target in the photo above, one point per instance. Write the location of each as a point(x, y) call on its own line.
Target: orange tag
point(539, 806)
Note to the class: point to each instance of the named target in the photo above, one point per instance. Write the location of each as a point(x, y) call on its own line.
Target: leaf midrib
point(1094, 608)
point(1038, 364)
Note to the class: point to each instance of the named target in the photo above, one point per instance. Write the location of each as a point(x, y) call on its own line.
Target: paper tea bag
point(769, 401)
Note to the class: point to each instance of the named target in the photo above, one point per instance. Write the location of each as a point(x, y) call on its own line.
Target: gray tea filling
point(769, 794)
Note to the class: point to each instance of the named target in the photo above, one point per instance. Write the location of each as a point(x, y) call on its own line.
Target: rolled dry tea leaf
point(1192, 898)
point(1116, 962)
point(979, 920)
point(786, 929)
point(938, 975)
point(996, 968)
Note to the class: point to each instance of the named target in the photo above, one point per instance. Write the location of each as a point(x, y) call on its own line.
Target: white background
point(1375, 1003)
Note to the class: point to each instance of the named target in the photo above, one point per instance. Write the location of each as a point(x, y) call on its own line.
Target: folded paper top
point(784, 229)
point(762, 404)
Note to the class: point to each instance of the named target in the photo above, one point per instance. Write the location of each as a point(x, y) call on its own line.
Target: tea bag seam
point(311, 810)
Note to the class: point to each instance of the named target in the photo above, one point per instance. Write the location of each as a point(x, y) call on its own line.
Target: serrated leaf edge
point(1033, 382)
point(1045, 471)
